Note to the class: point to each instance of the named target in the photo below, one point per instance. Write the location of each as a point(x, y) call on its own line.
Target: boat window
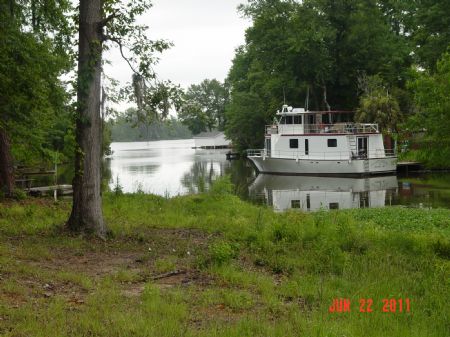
point(289, 119)
point(306, 147)
point(332, 142)
point(308, 202)
point(282, 120)
point(364, 199)
point(293, 143)
point(297, 119)
point(295, 203)
point(334, 205)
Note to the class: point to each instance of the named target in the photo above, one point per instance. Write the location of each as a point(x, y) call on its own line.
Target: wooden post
point(55, 192)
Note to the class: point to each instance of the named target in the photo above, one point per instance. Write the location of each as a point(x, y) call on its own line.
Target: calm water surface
point(167, 168)
point(171, 168)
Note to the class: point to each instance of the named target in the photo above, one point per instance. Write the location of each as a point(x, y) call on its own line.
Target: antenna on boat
point(284, 97)
point(307, 99)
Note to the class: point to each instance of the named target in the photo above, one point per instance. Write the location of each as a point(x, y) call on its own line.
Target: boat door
point(268, 146)
point(310, 122)
point(363, 146)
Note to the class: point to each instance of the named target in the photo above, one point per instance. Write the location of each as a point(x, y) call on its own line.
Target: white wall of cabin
point(318, 146)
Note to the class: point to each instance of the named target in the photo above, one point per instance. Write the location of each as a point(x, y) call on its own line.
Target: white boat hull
point(324, 167)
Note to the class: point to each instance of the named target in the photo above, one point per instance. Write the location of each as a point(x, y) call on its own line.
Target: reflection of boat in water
point(313, 193)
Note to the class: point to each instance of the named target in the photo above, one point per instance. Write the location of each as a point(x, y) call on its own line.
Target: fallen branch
point(169, 274)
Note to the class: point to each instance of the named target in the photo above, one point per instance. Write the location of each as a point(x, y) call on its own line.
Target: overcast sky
point(205, 34)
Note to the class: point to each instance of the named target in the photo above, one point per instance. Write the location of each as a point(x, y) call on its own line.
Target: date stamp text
point(368, 305)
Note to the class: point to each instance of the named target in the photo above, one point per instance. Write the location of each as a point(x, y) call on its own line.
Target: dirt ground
point(132, 262)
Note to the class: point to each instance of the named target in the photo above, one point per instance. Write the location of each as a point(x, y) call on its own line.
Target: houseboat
point(322, 143)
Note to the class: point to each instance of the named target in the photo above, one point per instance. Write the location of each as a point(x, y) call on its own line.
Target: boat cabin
point(299, 121)
point(297, 133)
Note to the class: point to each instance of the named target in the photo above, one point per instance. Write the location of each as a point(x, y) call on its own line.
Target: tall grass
point(266, 274)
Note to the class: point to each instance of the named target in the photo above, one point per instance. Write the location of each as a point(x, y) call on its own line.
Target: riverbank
point(213, 265)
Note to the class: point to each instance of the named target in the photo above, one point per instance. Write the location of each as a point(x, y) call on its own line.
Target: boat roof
point(209, 134)
point(290, 111)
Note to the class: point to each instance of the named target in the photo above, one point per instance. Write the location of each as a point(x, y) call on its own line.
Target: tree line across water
point(123, 129)
point(387, 60)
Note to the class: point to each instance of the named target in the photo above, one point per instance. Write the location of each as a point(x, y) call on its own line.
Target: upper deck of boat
point(299, 121)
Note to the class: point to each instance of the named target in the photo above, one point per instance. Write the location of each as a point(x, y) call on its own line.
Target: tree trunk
point(325, 101)
point(6, 164)
point(86, 213)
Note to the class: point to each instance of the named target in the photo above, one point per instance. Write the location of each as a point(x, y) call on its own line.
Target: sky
point(205, 34)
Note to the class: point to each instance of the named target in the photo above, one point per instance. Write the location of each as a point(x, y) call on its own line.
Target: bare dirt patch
point(131, 263)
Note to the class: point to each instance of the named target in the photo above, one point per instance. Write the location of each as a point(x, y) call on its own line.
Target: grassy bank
point(432, 156)
point(213, 265)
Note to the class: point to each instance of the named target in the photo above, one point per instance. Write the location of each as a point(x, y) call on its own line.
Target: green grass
point(245, 270)
point(432, 156)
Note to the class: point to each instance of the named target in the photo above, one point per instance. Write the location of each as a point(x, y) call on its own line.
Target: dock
point(211, 147)
point(36, 173)
point(60, 189)
point(409, 166)
point(234, 155)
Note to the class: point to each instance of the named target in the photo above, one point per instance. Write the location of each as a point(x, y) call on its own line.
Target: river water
point(173, 167)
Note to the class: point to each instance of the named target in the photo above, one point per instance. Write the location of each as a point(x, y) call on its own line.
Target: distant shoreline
point(146, 141)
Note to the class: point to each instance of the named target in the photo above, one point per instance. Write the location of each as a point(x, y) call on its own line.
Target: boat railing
point(336, 128)
point(331, 155)
point(271, 129)
point(345, 128)
point(377, 153)
point(257, 152)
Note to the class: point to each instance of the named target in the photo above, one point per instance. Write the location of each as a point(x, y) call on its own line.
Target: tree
point(203, 106)
point(260, 75)
point(33, 54)
point(314, 48)
point(87, 204)
point(101, 24)
point(431, 32)
point(377, 104)
point(431, 94)
point(246, 121)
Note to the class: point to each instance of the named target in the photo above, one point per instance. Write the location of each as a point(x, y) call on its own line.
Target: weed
point(221, 186)
point(166, 264)
point(118, 189)
point(139, 188)
point(222, 252)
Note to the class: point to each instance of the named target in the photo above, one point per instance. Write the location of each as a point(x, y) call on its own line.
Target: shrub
point(222, 186)
point(222, 252)
point(19, 194)
point(117, 187)
point(442, 248)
